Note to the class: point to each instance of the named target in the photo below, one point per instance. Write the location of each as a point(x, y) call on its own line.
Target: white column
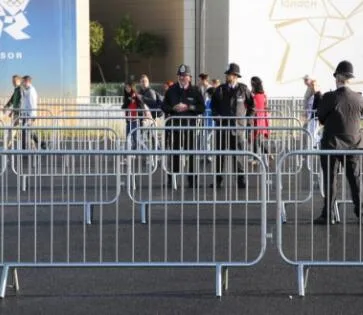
point(189, 34)
point(83, 51)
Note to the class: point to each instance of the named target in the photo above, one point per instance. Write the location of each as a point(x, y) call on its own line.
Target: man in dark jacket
point(14, 105)
point(183, 100)
point(150, 97)
point(231, 99)
point(340, 111)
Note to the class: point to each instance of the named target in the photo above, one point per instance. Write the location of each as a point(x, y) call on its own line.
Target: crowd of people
point(230, 107)
point(211, 99)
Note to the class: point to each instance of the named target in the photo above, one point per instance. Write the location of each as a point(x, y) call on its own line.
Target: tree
point(125, 39)
point(149, 46)
point(97, 39)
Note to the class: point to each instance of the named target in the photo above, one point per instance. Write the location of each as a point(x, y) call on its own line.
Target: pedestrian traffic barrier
point(68, 171)
point(218, 235)
point(206, 168)
point(302, 243)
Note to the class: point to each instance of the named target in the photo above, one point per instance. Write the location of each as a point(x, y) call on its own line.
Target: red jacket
point(261, 114)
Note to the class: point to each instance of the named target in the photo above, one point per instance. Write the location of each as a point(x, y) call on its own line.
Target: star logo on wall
point(311, 30)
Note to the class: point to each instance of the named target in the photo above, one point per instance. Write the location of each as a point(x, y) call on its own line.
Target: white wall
point(282, 40)
point(83, 51)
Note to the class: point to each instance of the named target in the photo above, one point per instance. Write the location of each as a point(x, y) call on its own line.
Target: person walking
point(29, 106)
point(183, 100)
point(340, 111)
point(231, 99)
point(14, 105)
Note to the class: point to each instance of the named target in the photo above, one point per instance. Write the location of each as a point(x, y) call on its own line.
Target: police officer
point(183, 99)
point(230, 99)
point(340, 111)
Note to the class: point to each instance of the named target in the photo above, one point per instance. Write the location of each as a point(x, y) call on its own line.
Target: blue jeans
point(130, 126)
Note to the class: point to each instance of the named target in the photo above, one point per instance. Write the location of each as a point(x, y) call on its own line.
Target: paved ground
point(270, 287)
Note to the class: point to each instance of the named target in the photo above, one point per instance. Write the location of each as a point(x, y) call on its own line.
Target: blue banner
point(39, 38)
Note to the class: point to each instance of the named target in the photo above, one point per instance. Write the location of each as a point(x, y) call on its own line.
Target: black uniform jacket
point(340, 112)
point(190, 96)
point(224, 102)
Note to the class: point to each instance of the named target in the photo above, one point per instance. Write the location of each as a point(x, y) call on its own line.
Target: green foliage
point(97, 37)
point(126, 35)
point(150, 45)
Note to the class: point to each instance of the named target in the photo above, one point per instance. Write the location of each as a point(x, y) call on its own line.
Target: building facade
point(278, 40)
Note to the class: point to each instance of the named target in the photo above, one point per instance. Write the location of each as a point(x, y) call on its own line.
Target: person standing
point(308, 97)
point(183, 100)
point(340, 111)
point(215, 83)
point(261, 115)
point(231, 99)
point(14, 105)
point(203, 84)
point(150, 97)
point(133, 106)
point(29, 110)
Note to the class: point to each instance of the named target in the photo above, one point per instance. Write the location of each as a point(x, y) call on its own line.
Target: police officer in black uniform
point(230, 99)
point(183, 99)
point(340, 111)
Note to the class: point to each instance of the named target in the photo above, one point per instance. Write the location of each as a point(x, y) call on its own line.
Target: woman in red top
point(260, 100)
point(132, 104)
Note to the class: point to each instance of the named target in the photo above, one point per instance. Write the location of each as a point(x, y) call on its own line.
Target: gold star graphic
point(310, 30)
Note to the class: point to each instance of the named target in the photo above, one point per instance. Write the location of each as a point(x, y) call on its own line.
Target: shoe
point(218, 185)
point(323, 220)
point(242, 185)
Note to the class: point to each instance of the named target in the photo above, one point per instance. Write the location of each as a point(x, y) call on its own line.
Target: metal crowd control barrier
point(221, 235)
point(304, 244)
point(118, 124)
point(66, 170)
point(285, 135)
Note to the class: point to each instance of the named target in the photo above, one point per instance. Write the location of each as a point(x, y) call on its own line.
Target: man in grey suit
point(340, 111)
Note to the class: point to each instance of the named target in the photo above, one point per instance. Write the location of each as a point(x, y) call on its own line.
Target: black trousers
point(182, 140)
point(226, 140)
point(330, 166)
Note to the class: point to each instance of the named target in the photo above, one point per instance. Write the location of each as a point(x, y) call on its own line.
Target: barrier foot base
point(15, 280)
point(144, 213)
point(303, 275)
point(88, 213)
point(219, 281)
point(4, 281)
point(225, 278)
